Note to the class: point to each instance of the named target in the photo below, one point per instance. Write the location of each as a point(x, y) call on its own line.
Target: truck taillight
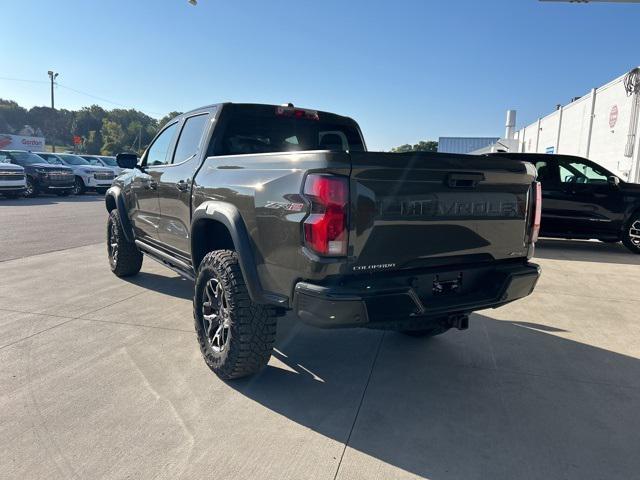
point(537, 212)
point(325, 229)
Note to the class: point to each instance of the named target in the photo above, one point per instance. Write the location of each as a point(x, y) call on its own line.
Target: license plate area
point(447, 284)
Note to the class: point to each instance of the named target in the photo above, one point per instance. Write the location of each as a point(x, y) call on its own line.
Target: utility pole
point(52, 76)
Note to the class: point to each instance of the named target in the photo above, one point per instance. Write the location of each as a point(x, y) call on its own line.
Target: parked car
point(102, 161)
point(87, 176)
point(273, 208)
point(581, 199)
point(41, 177)
point(12, 178)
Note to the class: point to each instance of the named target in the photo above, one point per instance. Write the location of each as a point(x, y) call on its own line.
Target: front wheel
point(631, 235)
point(30, 190)
point(78, 187)
point(236, 335)
point(125, 259)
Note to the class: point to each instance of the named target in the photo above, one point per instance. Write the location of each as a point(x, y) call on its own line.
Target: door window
point(159, 151)
point(190, 136)
point(578, 172)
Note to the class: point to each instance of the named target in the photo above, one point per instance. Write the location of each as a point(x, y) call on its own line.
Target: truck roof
point(259, 106)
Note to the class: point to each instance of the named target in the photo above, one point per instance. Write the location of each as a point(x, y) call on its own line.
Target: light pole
point(52, 76)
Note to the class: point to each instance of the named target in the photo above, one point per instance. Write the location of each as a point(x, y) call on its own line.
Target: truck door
point(594, 207)
point(145, 213)
point(175, 182)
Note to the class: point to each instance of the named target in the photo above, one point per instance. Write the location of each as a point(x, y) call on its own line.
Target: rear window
point(250, 132)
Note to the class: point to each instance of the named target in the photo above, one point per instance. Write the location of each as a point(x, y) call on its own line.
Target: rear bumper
point(389, 302)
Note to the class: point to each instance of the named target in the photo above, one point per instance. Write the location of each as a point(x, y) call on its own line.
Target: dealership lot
point(102, 377)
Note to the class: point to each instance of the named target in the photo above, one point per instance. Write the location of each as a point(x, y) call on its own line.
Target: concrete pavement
point(102, 378)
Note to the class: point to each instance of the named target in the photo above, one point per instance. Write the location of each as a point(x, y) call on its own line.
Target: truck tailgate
point(430, 209)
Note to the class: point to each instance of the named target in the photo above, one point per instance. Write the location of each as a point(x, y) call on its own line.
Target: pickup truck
point(271, 209)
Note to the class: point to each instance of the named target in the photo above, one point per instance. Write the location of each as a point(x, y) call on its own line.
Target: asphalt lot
point(102, 378)
point(47, 223)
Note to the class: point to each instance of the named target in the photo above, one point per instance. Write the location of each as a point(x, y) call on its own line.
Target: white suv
point(88, 177)
point(12, 178)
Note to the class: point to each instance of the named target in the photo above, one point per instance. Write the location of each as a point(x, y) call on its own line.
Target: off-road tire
point(79, 187)
point(128, 259)
point(633, 225)
point(251, 331)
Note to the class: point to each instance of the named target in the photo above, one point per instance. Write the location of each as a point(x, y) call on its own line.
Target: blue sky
point(406, 69)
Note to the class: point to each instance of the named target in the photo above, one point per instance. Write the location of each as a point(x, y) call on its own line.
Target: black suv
point(41, 176)
point(581, 199)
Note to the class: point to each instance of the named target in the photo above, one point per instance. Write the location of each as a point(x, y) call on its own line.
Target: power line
point(11, 79)
point(22, 80)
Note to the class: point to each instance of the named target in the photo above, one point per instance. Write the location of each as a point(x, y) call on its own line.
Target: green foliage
point(102, 131)
point(113, 137)
point(167, 117)
point(422, 146)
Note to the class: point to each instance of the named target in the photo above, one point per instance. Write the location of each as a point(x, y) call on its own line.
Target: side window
point(190, 136)
point(579, 172)
point(159, 150)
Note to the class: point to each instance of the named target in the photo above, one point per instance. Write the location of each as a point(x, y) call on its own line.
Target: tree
point(12, 116)
point(113, 137)
point(163, 121)
point(421, 146)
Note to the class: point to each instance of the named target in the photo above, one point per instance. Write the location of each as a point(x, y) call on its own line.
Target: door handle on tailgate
point(464, 180)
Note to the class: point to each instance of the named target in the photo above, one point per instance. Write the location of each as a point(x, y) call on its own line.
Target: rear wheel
point(631, 235)
point(236, 335)
point(30, 190)
point(124, 257)
point(78, 187)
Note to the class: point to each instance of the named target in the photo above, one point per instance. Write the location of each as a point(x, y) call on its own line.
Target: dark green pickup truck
point(273, 209)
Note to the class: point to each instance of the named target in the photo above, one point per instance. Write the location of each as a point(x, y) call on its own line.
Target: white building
point(602, 126)
point(464, 144)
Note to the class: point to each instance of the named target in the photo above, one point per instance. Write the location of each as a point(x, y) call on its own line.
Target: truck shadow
point(585, 251)
point(503, 400)
point(175, 286)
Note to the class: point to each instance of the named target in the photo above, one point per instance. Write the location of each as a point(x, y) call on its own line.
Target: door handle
point(182, 185)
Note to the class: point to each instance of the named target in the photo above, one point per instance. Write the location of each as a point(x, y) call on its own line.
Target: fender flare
point(114, 194)
point(230, 217)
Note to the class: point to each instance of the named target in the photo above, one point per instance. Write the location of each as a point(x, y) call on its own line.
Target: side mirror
point(127, 160)
point(613, 181)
